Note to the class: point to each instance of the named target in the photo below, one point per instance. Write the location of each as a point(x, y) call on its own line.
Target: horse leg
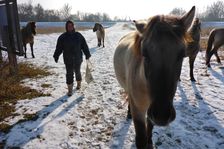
point(149, 133)
point(31, 46)
point(209, 55)
point(129, 112)
point(99, 42)
point(191, 63)
point(103, 42)
point(25, 51)
point(138, 115)
point(217, 57)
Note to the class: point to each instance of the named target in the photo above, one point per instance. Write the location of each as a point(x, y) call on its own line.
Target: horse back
point(218, 35)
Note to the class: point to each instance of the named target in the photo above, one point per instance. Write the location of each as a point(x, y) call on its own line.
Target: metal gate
point(10, 35)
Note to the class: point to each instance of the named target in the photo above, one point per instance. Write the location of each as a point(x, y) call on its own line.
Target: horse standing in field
point(147, 65)
point(100, 33)
point(193, 46)
point(28, 33)
point(215, 41)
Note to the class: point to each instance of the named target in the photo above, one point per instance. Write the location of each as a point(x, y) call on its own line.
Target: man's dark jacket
point(72, 45)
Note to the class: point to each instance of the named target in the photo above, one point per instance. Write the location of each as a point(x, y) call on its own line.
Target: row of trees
point(28, 11)
point(214, 12)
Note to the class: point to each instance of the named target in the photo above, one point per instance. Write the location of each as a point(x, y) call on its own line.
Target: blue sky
point(135, 9)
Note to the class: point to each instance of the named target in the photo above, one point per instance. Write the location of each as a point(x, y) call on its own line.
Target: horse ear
point(188, 18)
point(140, 26)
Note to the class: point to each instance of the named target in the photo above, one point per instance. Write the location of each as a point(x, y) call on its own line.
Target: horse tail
point(210, 41)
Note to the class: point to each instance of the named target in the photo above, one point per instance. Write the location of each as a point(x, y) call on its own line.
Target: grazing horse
point(100, 33)
point(215, 41)
point(28, 33)
point(193, 46)
point(147, 65)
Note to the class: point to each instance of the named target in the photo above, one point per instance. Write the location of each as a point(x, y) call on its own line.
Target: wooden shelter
point(10, 35)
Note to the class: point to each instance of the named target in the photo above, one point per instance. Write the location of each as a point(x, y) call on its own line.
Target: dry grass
point(203, 43)
point(12, 90)
point(204, 38)
point(45, 85)
point(49, 30)
point(205, 32)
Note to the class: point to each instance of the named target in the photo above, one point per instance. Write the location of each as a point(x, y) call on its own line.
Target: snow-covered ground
point(95, 117)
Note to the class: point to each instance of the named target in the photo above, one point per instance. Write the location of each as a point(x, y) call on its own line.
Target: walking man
point(72, 44)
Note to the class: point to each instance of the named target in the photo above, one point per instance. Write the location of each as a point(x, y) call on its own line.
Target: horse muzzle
point(161, 117)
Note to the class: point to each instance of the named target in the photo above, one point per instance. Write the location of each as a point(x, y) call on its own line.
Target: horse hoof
point(193, 80)
point(129, 117)
point(150, 146)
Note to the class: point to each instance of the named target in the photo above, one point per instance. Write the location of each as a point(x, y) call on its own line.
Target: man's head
point(69, 26)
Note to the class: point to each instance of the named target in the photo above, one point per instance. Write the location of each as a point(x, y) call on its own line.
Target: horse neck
point(138, 71)
point(100, 29)
point(195, 33)
point(28, 30)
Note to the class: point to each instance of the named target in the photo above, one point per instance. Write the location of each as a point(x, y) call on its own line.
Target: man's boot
point(78, 85)
point(70, 87)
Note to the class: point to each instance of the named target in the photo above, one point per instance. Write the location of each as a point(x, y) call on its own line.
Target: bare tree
point(178, 11)
point(25, 11)
point(106, 17)
point(66, 12)
point(215, 12)
point(39, 12)
point(51, 15)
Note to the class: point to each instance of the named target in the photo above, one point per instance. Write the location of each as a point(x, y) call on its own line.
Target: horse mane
point(138, 38)
point(137, 45)
point(163, 23)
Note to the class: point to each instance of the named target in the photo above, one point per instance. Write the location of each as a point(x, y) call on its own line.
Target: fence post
point(13, 66)
point(1, 59)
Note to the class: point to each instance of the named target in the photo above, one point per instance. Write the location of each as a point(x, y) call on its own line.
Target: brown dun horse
point(215, 41)
point(100, 33)
point(193, 46)
point(147, 65)
point(28, 33)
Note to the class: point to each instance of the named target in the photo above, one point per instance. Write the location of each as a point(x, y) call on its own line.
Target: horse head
point(163, 45)
point(32, 26)
point(96, 27)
